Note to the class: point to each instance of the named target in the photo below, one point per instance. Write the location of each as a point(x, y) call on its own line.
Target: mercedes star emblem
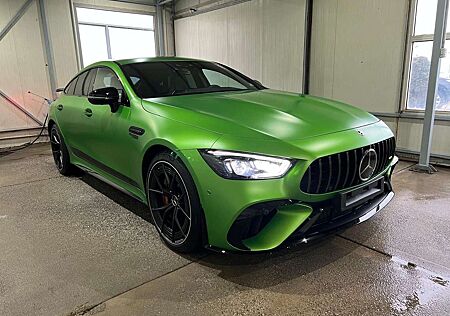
point(368, 164)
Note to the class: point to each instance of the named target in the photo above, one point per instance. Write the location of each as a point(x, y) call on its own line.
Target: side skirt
point(108, 171)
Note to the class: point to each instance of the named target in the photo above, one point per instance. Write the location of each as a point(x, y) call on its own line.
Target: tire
point(174, 203)
point(60, 153)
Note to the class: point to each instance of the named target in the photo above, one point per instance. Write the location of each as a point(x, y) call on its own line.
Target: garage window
point(420, 49)
point(114, 35)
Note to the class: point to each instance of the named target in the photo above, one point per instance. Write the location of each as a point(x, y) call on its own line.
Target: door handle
point(60, 107)
point(88, 112)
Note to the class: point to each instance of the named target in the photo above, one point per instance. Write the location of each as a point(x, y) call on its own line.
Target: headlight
point(237, 165)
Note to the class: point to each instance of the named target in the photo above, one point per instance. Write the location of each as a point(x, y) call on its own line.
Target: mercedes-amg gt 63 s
point(220, 160)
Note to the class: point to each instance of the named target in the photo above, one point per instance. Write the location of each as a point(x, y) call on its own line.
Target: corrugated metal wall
point(263, 39)
point(357, 57)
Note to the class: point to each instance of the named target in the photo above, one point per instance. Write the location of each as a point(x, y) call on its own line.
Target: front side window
point(158, 79)
point(106, 78)
point(420, 47)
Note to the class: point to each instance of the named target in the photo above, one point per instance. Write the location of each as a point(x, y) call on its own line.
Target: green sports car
point(220, 160)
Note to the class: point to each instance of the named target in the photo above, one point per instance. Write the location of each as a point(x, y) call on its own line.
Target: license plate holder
point(353, 198)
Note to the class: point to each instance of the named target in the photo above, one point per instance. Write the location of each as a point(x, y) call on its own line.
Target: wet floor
point(73, 246)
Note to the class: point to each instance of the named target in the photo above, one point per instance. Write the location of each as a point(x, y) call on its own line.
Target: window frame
point(76, 24)
point(65, 91)
point(75, 78)
point(82, 83)
point(411, 39)
point(125, 102)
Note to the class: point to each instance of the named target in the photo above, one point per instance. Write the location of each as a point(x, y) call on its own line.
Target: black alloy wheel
point(55, 141)
point(60, 153)
point(174, 203)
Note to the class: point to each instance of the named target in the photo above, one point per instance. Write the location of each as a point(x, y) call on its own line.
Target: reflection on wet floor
point(428, 288)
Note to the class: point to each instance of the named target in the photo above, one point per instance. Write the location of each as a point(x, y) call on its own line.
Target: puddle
point(429, 287)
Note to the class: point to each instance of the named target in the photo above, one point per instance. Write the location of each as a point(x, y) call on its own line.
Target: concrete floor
point(74, 246)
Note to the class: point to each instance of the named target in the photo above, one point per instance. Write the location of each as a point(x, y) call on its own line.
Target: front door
point(109, 138)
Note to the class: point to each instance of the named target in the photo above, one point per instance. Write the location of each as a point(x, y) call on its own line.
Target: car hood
point(276, 114)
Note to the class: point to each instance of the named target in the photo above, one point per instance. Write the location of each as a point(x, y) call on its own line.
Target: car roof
point(142, 60)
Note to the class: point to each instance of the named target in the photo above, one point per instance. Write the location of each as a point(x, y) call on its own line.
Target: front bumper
point(287, 212)
point(311, 230)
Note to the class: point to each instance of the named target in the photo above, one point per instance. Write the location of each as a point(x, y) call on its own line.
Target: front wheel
point(174, 203)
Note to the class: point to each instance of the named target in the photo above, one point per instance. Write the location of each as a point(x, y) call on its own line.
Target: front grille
point(340, 171)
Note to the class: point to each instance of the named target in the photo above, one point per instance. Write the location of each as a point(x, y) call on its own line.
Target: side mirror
point(107, 95)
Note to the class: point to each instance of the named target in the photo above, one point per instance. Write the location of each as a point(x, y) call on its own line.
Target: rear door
point(69, 112)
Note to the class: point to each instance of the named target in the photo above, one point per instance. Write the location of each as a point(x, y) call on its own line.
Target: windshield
point(160, 79)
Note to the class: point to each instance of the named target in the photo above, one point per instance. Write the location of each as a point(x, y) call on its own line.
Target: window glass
point(218, 79)
point(157, 79)
point(425, 17)
point(93, 44)
point(80, 83)
point(128, 43)
point(420, 71)
point(114, 18)
point(107, 34)
point(87, 87)
point(105, 78)
point(70, 89)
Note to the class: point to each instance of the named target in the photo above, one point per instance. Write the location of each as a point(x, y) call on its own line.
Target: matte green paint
point(265, 122)
point(283, 224)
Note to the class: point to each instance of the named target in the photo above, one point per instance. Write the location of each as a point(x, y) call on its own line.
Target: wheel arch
point(154, 148)
point(159, 146)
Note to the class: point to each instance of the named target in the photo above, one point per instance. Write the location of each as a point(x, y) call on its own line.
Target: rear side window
point(70, 89)
point(80, 83)
point(87, 86)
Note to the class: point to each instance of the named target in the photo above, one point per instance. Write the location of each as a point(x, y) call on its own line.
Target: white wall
point(22, 62)
point(357, 51)
point(264, 39)
point(22, 67)
point(357, 57)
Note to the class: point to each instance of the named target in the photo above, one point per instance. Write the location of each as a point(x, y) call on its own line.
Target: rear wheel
point(174, 203)
point(60, 152)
